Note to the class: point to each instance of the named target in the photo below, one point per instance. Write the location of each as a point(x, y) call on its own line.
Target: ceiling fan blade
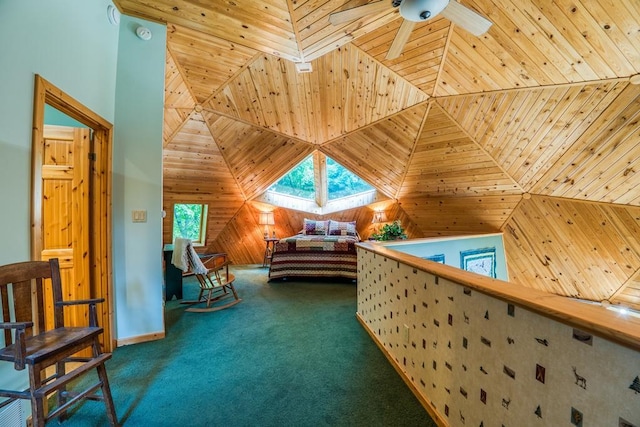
point(401, 39)
point(466, 18)
point(358, 12)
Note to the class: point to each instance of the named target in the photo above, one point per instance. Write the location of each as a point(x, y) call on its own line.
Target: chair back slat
point(22, 293)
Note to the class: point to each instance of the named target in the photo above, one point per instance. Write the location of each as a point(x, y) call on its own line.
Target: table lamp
point(266, 219)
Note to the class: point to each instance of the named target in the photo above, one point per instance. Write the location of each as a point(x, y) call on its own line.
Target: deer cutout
point(580, 380)
point(506, 402)
point(461, 418)
point(466, 318)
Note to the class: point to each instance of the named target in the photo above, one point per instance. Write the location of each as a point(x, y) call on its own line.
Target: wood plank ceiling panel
point(256, 157)
point(421, 57)
point(178, 102)
point(451, 216)
point(380, 153)
point(446, 162)
point(317, 36)
point(194, 171)
point(604, 236)
point(261, 25)
point(528, 131)
point(206, 61)
point(601, 164)
point(537, 43)
point(347, 90)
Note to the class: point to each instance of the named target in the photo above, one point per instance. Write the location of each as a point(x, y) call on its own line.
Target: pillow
point(315, 228)
point(337, 228)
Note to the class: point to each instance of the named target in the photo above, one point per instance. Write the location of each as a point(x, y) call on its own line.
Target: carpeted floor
point(290, 354)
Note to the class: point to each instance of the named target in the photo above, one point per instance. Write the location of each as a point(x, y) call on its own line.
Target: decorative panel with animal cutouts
point(482, 361)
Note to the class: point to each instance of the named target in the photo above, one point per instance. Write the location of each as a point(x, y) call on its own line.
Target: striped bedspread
point(314, 256)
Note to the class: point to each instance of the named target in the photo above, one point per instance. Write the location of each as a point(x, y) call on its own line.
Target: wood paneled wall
point(565, 247)
point(458, 131)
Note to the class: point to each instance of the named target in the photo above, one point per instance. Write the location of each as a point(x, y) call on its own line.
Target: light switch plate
point(139, 216)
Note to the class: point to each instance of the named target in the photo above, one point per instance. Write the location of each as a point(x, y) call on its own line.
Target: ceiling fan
point(414, 11)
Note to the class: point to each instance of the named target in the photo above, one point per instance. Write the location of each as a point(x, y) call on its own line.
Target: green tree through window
point(343, 183)
point(189, 222)
point(299, 182)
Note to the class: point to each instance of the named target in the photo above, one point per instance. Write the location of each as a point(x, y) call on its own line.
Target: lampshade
point(266, 218)
point(378, 217)
point(421, 10)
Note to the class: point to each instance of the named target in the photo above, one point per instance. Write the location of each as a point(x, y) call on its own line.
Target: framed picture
point(480, 261)
point(436, 258)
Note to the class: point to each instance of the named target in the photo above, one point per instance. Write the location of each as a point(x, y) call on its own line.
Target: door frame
point(100, 276)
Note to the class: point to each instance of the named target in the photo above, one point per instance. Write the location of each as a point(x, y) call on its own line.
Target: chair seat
point(221, 281)
point(61, 341)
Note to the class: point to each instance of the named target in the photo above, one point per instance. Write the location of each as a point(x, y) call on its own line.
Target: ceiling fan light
point(421, 10)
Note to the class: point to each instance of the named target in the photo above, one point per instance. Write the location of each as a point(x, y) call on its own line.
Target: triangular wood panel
point(534, 43)
point(602, 164)
point(451, 216)
point(605, 237)
point(263, 26)
point(241, 237)
point(256, 157)
point(421, 57)
point(178, 101)
point(527, 131)
point(196, 172)
point(174, 119)
point(446, 162)
point(380, 153)
point(176, 91)
point(317, 36)
point(207, 61)
point(347, 90)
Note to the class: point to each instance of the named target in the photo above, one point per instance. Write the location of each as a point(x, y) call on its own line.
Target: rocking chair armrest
point(215, 258)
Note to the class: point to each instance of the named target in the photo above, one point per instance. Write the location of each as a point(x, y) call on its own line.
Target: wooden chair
point(216, 283)
point(22, 294)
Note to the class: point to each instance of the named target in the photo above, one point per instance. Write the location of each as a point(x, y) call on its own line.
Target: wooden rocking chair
point(216, 283)
point(29, 343)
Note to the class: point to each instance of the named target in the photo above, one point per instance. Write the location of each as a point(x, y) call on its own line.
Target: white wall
point(137, 181)
point(71, 44)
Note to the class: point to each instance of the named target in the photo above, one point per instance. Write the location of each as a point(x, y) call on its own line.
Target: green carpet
point(292, 353)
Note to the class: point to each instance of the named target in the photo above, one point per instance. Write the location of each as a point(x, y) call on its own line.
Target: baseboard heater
point(12, 414)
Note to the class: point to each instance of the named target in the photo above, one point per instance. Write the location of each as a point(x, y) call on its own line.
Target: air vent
point(304, 67)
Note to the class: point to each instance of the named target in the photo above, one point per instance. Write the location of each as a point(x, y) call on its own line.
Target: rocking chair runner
point(22, 301)
point(216, 283)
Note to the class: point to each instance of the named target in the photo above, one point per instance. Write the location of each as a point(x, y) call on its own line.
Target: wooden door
point(65, 214)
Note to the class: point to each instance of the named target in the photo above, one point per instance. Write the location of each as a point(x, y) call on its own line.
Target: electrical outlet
point(405, 334)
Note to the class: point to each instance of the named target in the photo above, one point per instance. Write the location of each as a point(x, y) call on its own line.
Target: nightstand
point(268, 251)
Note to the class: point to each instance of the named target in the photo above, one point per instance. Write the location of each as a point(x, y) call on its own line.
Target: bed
point(321, 249)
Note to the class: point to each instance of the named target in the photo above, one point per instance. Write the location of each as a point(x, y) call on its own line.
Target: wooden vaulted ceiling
point(532, 129)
